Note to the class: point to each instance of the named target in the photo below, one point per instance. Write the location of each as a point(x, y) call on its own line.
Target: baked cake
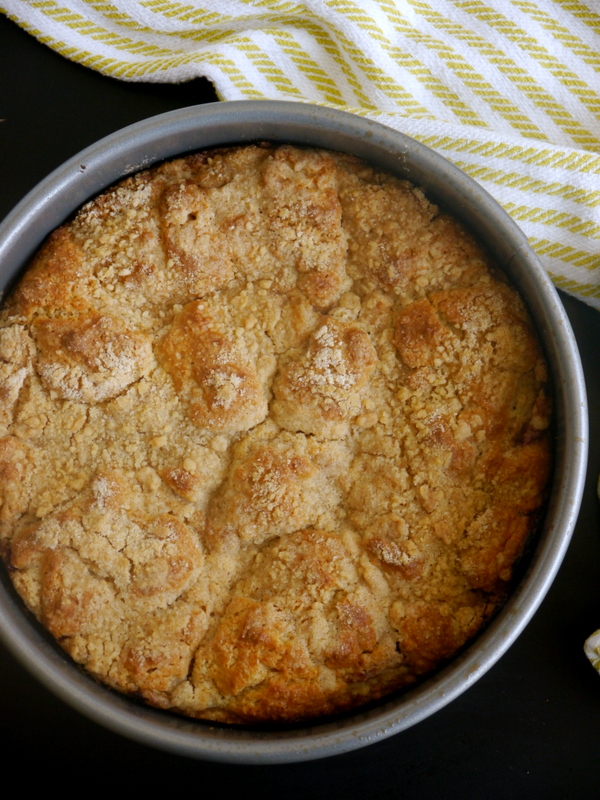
point(273, 435)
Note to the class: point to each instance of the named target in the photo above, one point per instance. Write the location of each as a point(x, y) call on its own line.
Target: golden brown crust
point(214, 367)
point(90, 358)
point(273, 435)
point(319, 392)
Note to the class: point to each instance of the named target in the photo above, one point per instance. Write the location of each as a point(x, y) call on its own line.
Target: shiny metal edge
point(179, 132)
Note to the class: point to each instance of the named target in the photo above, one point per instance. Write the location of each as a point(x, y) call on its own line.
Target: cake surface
point(273, 435)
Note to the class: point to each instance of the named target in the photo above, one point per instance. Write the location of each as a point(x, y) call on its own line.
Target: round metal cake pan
point(178, 132)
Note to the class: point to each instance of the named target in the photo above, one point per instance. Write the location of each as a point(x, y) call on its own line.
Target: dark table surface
point(530, 728)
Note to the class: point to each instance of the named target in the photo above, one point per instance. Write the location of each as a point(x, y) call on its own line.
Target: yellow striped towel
point(508, 91)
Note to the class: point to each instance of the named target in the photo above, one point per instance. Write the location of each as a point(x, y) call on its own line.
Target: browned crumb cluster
point(273, 434)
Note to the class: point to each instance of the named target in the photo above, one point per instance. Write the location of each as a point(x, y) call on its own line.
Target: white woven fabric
point(508, 91)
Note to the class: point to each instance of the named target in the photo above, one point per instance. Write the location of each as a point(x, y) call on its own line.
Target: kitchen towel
point(508, 91)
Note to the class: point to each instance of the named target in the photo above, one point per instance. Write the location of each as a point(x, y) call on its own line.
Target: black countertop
point(529, 728)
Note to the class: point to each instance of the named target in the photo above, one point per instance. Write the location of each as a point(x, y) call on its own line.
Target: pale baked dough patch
point(273, 435)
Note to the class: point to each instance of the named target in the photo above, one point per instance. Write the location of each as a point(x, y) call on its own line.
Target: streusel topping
point(274, 434)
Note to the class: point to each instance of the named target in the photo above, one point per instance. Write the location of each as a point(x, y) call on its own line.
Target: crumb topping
point(273, 435)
